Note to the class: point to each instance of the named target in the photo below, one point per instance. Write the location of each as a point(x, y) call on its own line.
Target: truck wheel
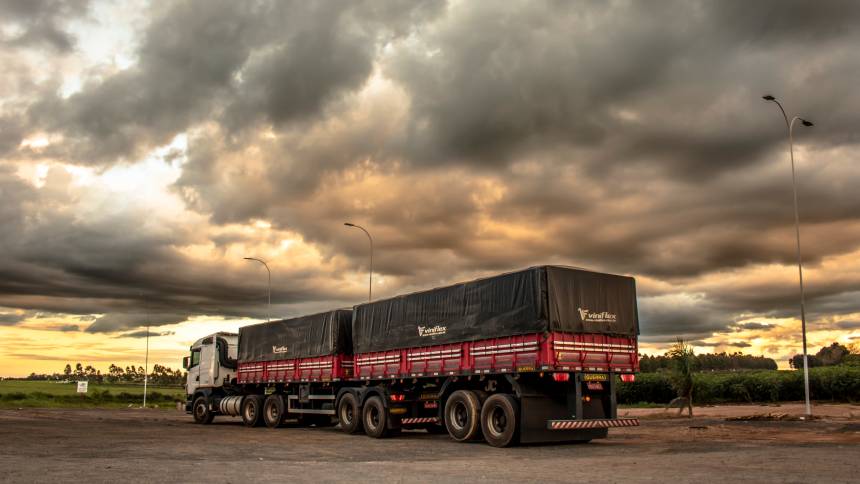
point(201, 412)
point(273, 411)
point(500, 420)
point(375, 418)
point(349, 414)
point(252, 410)
point(463, 415)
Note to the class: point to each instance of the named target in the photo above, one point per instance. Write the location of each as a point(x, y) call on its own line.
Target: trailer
point(522, 357)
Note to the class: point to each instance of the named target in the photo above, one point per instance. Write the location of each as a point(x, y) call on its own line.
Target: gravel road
point(134, 445)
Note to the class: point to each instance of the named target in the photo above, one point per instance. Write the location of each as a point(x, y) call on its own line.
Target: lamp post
point(269, 308)
point(370, 277)
point(790, 126)
point(146, 360)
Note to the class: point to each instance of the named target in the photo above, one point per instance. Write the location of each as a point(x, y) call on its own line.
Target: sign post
point(82, 387)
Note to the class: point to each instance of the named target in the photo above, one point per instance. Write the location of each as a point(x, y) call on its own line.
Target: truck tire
point(273, 411)
point(252, 410)
point(349, 414)
point(463, 415)
point(375, 418)
point(200, 411)
point(500, 420)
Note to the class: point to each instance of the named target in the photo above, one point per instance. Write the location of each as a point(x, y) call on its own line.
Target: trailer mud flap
point(419, 420)
point(536, 411)
point(591, 424)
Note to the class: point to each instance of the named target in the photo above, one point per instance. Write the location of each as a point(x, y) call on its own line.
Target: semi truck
point(522, 357)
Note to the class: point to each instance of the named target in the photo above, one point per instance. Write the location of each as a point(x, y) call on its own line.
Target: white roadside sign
point(82, 386)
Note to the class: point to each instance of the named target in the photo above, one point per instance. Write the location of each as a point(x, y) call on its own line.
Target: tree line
point(835, 354)
point(709, 362)
point(160, 374)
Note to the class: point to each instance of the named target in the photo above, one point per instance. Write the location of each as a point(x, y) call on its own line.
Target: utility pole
point(790, 126)
point(370, 277)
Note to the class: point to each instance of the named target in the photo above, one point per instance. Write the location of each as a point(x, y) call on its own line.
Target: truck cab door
point(192, 380)
point(205, 365)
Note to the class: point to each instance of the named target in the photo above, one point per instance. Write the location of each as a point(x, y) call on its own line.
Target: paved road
point(157, 445)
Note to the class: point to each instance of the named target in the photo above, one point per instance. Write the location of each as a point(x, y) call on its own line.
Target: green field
point(17, 393)
point(830, 383)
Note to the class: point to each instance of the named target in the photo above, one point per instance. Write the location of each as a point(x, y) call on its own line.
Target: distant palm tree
point(683, 366)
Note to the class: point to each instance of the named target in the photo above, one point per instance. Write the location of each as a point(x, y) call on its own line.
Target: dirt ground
point(133, 445)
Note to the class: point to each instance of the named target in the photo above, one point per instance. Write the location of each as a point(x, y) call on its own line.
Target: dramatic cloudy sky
point(146, 148)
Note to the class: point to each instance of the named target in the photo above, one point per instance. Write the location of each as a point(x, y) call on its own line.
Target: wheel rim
point(373, 419)
point(459, 415)
point(346, 413)
point(200, 410)
point(273, 413)
point(250, 412)
point(498, 421)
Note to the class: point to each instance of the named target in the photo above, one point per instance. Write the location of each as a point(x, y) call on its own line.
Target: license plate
point(594, 385)
point(594, 377)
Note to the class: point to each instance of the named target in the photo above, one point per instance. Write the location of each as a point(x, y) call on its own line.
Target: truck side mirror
point(185, 362)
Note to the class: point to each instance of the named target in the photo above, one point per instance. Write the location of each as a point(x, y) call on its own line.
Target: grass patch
point(16, 393)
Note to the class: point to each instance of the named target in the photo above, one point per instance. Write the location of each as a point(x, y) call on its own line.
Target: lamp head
point(806, 122)
point(349, 224)
point(768, 97)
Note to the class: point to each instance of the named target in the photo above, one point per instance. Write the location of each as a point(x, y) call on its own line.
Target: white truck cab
point(210, 367)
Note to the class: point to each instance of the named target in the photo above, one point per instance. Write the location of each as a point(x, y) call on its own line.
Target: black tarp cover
point(320, 334)
point(534, 300)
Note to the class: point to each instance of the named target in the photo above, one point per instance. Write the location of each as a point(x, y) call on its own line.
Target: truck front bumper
point(591, 424)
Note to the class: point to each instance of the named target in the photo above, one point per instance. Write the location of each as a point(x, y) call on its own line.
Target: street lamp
point(370, 278)
point(790, 126)
point(269, 308)
point(146, 361)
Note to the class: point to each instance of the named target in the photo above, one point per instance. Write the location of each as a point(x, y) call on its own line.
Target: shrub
point(15, 396)
point(835, 383)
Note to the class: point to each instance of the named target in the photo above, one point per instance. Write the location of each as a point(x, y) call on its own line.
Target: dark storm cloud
point(754, 326)
point(626, 137)
point(57, 262)
point(112, 322)
point(733, 344)
point(39, 22)
point(144, 334)
point(665, 318)
point(239, 61)
point(11, 319)
point(848, 325)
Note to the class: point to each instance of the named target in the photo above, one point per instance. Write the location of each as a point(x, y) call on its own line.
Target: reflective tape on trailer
point(433, 355)
point(591, 424)
point(504, 349)
point(579, 345)
point(367, 360)
point(419, 420)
